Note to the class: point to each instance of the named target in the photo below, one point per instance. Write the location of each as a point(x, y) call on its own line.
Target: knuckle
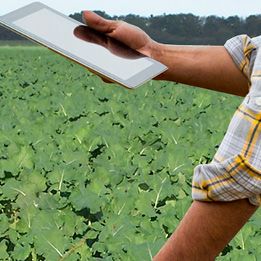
point(120, 22)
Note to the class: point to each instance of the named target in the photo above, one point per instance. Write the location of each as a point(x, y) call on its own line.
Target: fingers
point(89, 35)
point(99, 23)
point(106, 81)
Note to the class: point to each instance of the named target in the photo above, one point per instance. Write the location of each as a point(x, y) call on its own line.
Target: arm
point(205, 230)
point(209, 67)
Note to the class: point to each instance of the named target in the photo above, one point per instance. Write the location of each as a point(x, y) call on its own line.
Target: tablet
point(101, 54)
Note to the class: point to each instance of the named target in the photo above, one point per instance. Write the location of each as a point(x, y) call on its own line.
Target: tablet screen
point(59, 31)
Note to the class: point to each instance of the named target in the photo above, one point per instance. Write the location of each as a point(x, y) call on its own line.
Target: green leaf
point(82, 198)
point(21, 252)
point(3, 250)
point(11, 189)
point(4, 224)
point(144, 204)
point(24, 158)
point(49, 239)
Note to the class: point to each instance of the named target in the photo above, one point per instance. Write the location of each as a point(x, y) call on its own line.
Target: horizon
point(148, 16)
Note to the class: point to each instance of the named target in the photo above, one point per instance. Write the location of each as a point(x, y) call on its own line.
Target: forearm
point(209, 67)
point(205, 230)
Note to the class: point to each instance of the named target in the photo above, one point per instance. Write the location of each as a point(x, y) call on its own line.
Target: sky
point(224, 8)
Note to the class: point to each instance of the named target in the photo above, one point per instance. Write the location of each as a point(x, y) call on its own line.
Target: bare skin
point(207, 227)
point(205, 230)
point(209, 67)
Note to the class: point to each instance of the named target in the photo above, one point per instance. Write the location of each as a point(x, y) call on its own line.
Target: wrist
point(157, 53)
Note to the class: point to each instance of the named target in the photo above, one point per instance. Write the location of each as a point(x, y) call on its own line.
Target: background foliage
point(91, 171)
point(181, 28)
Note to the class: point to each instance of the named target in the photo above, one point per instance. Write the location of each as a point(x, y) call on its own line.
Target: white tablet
point(83, 45)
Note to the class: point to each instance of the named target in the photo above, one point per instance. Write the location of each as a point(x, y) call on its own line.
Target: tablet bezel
point(135, 81)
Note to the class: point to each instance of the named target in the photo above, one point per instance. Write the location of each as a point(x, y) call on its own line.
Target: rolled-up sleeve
point(235, 171)
point(241, 49)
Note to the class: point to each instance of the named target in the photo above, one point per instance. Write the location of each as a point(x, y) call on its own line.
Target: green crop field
point(93, 171)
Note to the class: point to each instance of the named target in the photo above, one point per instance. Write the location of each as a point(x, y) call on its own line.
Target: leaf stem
point(22, 160)
point(178, 167)
point(61, 181)
point(158, 194)
point(18, 190)
point(79, 140)
point(242, 240)
point(117, 231)
point(57, 250)
point(63, 110)
point(149, 250)
point(119, 212)
point(175, 141)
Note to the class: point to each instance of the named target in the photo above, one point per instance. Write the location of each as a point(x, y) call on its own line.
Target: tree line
point(181, 28)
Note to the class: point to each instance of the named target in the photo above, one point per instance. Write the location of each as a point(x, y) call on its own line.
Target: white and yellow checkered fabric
point(235, 171)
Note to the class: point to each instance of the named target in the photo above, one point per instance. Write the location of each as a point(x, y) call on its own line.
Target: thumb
point(99, 23)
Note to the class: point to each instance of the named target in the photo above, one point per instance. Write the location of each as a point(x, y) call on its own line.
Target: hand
point(90, 35)
point(130, 35)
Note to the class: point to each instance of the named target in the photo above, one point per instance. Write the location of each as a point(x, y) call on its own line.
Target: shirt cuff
point(240, 49)
point(230, 180)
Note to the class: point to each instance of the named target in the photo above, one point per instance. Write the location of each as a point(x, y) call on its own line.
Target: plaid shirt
point(235, 171)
